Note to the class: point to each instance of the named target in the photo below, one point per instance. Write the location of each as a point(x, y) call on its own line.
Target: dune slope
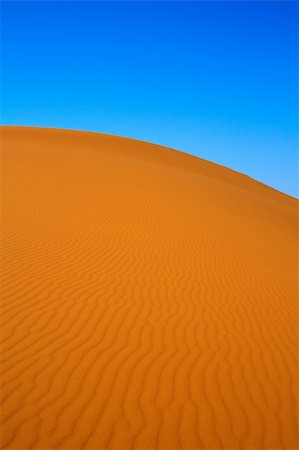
point(149, 299)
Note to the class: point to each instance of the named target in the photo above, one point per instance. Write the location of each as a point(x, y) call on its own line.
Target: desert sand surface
point(149, 299)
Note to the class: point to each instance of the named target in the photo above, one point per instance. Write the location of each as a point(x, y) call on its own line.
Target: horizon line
point(154, 143)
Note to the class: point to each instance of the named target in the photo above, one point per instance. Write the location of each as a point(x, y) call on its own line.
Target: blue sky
point(215, 79)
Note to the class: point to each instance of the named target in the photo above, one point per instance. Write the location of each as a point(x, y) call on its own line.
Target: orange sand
point(149, 299)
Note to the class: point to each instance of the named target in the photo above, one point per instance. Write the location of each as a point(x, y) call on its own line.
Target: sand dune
point(149, 299)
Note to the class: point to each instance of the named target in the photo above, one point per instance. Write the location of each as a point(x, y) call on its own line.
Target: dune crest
point(149, 299)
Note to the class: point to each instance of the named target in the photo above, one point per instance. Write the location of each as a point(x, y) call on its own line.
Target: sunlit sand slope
point(149, 299)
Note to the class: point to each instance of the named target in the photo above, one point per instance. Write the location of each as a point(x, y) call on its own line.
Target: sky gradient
point(215, 79)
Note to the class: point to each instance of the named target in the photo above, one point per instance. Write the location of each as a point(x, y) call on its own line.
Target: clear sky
point(215, 79)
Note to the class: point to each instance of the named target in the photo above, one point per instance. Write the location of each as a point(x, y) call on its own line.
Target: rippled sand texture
point(149, 299)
